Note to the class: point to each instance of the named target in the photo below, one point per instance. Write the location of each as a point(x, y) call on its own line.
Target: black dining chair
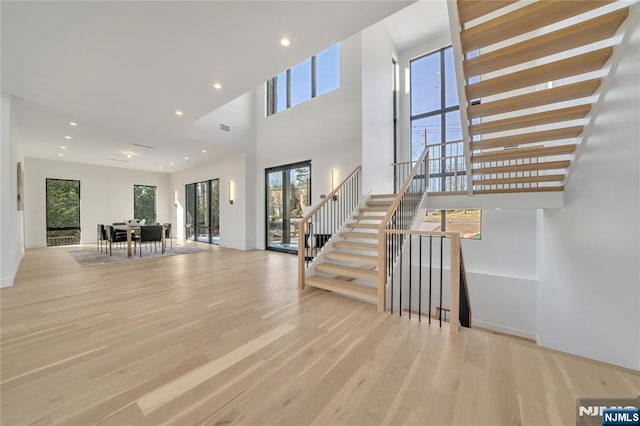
point(151, 233)
point(101, 236)
point(115, 236)
point(167, 234)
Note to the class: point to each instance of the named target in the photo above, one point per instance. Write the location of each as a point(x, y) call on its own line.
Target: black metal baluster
point(430, 272)
point(400, 286)
point(410, 272)
point(441, 272)
point(420, 281)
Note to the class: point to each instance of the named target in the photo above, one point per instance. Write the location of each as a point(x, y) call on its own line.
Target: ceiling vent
point(225, 128)
point(141, 146)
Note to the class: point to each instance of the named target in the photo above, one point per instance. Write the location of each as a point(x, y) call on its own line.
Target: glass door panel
point(202, 198)
point(215, 210)
point(275, 208)
point(288, 193)
point(190, 220)
point(298, 199)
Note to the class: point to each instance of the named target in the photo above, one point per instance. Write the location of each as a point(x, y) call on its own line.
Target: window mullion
point(289, 88)
point(313, 77)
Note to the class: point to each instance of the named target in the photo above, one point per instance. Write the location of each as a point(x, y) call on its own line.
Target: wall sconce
point(333, 184)
point(231, 192)
point(175, 198)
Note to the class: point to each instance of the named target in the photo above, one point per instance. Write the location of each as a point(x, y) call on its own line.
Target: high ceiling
point(122, 69)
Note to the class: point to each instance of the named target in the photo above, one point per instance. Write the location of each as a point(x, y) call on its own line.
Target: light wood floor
point(223, 336)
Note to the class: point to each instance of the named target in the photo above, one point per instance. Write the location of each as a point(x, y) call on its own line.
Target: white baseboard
point(9, 280)
point(506, 330)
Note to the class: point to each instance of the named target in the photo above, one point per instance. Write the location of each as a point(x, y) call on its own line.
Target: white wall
point(233, 217)
point(378, 51)
point(589, 298)
point(11, 220)
point(326, 130)
point(106, 195)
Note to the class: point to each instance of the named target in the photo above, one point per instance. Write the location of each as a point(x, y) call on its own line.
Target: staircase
point(349, 265)
point(528, 76)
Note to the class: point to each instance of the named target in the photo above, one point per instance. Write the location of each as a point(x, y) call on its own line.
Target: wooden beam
point(534, 99)
point(557, 70)
point(521, 21)
point(527, 138)
point(531, 120)
point(513, 154)
point(522, 179)
point(469, 10)
point(547, 165)
point(587, 32)
point(513, 190)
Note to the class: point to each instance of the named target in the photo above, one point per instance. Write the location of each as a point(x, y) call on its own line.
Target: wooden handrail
point(383, 224)
point(303, 224)
point(330, 195)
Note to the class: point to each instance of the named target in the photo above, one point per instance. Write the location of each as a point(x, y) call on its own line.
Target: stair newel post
point(301, 253)
point(382, 257)
point(454, 279)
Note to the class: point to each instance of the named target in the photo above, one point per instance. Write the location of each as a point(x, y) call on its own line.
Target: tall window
point(63, 212)
point(435, 119)
point(144, 203)
point(313, 77)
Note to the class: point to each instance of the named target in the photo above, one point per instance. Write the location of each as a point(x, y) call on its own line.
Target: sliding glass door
point(63, 212)
point(202, 222)
point(288, 193)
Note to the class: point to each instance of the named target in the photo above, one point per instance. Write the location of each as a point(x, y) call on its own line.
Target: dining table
point(130, 228)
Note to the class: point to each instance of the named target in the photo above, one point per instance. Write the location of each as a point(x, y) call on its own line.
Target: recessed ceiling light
point(161, 167)
point(128, 155)
point(178, 112)
point(60, 154)
point(217, 86)
point(68, 138)
point(285, 42)
point(73, 123)
point(204, 150)
point(63, 147)
point(171, 163)
point(186, 158)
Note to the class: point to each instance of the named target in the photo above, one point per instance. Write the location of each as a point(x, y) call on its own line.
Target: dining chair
point(151, 233)
point(167, 234)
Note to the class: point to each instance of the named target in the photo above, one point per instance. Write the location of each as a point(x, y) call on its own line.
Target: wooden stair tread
point(468, 10)
point(360, 235)
point(537, 119)
point(359, 225)
point(514, 190)
point(534, 99)
point(511, 154)
point(581, 34)
point(557, 70)
point(383, 196)
point(343, 287)
point(347, 271)
point(352, 257)
point(527, 138)
point(373, 209)
point(521, 179)
point(368, 217)
point(377, 203)
point(548, 165)
point(356, 246)
point(528, 18)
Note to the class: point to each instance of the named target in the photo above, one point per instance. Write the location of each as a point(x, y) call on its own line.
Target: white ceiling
point(122, 69)
point(417, 22)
